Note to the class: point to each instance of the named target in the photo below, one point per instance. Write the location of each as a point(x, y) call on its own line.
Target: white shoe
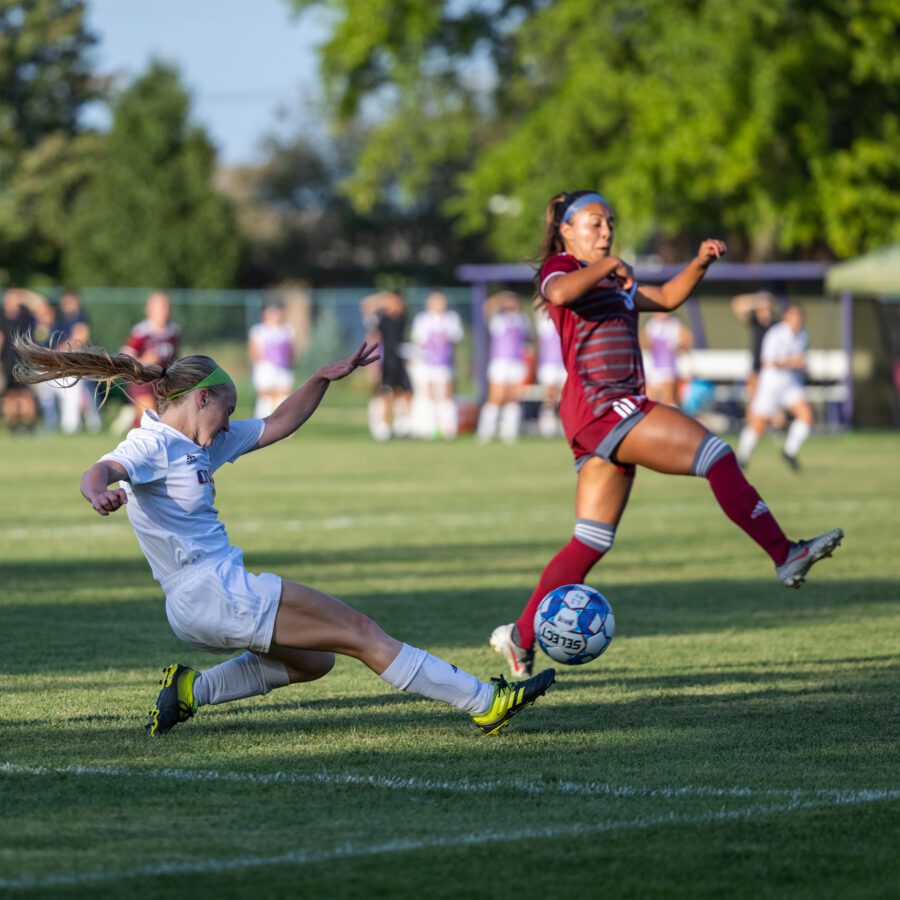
point(520, 661)
point(803, 554)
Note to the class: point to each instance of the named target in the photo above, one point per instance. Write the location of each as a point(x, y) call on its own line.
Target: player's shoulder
point(559, 262)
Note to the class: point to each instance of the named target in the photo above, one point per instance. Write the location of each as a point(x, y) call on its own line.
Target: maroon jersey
point(600, 345)
point(145, 338)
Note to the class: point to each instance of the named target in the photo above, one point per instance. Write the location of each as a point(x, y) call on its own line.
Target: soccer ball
point(574, 624)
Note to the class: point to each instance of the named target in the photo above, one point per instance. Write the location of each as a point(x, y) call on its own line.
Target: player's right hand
point(109, 501)
point(623, 275)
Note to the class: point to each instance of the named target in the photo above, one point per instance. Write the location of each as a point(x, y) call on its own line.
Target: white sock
point(248, 675)
point(797, 434)
point(448, 419)
point(510, 416)
point(487, 421)
point(547, 421)
point(746, 443)
point(378, 427)
point(418, 672)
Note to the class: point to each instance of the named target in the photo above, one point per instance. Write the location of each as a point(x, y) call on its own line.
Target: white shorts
point(217, 605)
point(269, 378)
point(439, 375)
point(775, 392)
point(551, 374)
point(506, 371)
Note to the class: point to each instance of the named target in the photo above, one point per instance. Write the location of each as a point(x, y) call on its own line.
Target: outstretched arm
point(95, 486)
point(566, 289)
point(676, 290)
point(296, 409)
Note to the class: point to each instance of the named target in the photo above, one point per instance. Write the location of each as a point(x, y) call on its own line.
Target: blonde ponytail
point(40, 363)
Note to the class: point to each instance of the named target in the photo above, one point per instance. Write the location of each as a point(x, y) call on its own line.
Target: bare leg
point(308, 620)
point(667, 440)
point(600, 499)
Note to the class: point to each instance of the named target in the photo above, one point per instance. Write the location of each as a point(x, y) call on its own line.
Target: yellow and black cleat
point(176, 702)
point(511, 698)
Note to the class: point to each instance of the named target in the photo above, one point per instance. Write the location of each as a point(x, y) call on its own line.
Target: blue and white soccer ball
point(574, 624)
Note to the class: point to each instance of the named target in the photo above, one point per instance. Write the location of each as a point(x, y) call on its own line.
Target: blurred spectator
point(48, 393)
point(435, 332)
point(781, 387)
point(757, 311)
point(271, 344)
point(664, 337)
point(19, 408)
point(78, 403)
point(509, 332)
point(384, 315)
point(154, 341)
point(551, 371)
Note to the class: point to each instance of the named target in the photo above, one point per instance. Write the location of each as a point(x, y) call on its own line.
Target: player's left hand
point(711, 250)
point(365, 356)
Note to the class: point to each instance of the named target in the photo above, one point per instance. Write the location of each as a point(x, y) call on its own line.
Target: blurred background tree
point(774, 123)
point(151, 216)
point(45, 82)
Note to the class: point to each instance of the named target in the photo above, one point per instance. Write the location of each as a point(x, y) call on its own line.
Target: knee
point(320, 665)
point(363, 633)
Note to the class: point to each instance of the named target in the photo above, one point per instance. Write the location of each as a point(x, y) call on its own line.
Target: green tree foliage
point(297, 223)
point(45, 80)
point(151, 216)
point(775, 122)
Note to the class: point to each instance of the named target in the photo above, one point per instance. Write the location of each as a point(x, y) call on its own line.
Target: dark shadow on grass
point(69, 637)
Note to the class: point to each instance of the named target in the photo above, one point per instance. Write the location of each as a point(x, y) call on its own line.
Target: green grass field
point(737, 739)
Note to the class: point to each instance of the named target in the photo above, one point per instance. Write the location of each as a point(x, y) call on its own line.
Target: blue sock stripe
point(710, 451)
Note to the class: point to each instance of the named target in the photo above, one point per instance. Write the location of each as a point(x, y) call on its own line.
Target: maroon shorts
point(604, 434)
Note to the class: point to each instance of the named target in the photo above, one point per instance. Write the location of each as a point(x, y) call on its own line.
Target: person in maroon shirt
point(153, 342)
point(611, 426)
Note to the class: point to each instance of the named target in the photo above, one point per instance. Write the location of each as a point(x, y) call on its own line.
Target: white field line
point(352, 851)
point(460, 786)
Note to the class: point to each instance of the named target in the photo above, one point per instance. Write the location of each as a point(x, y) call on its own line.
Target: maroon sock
point(569, 566)
point(741, 503)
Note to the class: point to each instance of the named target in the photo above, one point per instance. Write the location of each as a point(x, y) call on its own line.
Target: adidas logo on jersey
point(759, 509)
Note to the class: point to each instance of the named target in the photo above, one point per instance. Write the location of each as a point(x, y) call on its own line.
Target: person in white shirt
point(781, 386)
point(165, 472)
point(436, 331)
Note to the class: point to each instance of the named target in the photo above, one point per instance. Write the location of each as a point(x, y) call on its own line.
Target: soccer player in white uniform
point(780, 387)
point(289, 633)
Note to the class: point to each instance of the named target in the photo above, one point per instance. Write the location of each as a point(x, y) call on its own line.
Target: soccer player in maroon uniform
point(153, 342)
point(610, 424)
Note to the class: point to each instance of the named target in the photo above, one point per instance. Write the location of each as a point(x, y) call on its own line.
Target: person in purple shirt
point(271, 349)
point(436, 331)
point(551, 371)
point(509, 332)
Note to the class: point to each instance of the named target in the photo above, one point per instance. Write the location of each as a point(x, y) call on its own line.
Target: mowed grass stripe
point(838, 796)
point(478, 839)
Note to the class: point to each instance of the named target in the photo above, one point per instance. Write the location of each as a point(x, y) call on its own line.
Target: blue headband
point(581, 203)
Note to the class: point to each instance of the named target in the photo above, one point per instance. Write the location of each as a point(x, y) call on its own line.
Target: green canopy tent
point(875, 275)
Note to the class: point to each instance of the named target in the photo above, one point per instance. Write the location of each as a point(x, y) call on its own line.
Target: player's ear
point(202, 398)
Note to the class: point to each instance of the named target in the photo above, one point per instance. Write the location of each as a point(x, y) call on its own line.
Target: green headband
point(217, 376)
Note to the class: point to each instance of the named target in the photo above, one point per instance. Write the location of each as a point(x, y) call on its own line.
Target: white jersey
point(780, 388)
point(171, 490)
point(780, 343)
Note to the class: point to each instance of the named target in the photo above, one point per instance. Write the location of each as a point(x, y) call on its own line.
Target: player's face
point(213, 417)
point(588, 235)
